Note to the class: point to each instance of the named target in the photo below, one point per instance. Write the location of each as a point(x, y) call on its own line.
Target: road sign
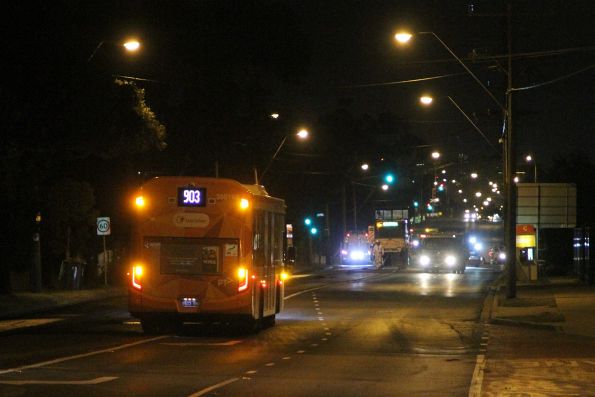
point(103, 226)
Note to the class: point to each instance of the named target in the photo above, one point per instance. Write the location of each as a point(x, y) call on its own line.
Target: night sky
point(215, 70)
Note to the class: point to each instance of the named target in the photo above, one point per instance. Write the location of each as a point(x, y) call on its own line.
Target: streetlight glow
point(474, 175)
point(132, 45)
point(528, 158)
point(274, 115)
point(385, 187)
point(303, 133)
point(365, 166)
point(403, 37)
point(435, 155)
point(426, 100)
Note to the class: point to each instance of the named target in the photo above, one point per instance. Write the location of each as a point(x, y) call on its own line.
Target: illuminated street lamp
point(275, 115)
point(435, 155)
point(531, 159)
point(474, 175)
point(130, 46)
point(427, 100)
point(509, 151)
point(365, 166)
point(301, 134)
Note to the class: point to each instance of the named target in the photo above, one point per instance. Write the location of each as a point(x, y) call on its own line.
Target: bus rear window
point(189, 256)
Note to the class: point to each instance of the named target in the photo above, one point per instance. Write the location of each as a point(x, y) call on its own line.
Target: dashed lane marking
point(185, 344)
point(213, 387)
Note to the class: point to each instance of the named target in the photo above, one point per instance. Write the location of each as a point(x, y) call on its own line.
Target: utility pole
point(510, 173)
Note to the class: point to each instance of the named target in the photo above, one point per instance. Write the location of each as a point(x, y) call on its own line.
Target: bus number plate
point(189, 302)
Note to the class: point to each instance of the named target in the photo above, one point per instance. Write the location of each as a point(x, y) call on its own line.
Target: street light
point(531, 159)
point(427, 100)
point(509, 148)
point(131, 46)
point(435, 155)
point(405, 37)
point(301, 134)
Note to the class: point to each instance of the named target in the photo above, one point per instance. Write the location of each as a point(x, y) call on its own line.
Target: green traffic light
point(313, 230)
point(389, 178)
point(308, 221)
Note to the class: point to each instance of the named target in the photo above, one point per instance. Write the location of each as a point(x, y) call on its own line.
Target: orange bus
point(206, 249)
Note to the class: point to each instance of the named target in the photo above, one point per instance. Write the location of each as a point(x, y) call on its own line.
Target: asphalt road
point(345, 332)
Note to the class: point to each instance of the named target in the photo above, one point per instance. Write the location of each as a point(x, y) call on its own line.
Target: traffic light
point(441, 187)
point(415, 204)
point(308, 221)
point(313, 231)
point(389, 178)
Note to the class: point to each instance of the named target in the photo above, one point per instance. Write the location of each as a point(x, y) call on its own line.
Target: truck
point(355, 248)
point(391, 230)
point(439, 252)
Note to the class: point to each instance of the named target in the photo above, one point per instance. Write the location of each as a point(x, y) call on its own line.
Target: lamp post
point(132, 45)
point(427, 100)
point(301, 134)
point(509, 148)
point(530, 159)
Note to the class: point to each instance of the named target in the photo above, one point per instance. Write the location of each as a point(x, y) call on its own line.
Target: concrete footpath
point(28, 303)
point(560, 303)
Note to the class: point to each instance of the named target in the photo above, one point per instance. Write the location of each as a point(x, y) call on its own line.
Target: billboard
point(547, 205)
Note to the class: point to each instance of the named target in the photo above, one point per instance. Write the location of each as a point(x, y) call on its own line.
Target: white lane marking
point(270, 364)
point(286, 358)
point(214, 387)
point(8, 325)
point(300, 351)
point(183, 344)
point(251, 372)
point(83, 355)
point(477, 380)
point(95, 381)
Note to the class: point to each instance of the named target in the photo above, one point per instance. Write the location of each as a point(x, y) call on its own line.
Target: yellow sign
point(525, 240)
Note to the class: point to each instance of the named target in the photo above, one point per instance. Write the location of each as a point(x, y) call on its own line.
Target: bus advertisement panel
point(206, 248)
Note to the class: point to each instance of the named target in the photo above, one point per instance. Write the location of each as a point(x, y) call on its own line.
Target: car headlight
point(424, 260)
point(450, 260)
point(357, 255)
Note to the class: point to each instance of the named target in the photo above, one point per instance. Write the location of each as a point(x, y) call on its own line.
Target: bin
point(71, 274)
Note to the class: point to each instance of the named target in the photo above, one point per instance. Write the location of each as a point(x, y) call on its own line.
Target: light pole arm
point(273, 158)
point(473, 124)
point(468, 71)
point(95, 50)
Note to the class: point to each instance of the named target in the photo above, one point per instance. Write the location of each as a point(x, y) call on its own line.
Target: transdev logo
point(191, 220)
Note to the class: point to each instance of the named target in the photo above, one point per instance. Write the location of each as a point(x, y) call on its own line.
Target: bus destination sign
point(192, 196)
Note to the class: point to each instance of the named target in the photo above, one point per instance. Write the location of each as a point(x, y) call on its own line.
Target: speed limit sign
point(103, 226)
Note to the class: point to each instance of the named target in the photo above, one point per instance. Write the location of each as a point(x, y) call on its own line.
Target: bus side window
point(278, 228)
point(258, 246)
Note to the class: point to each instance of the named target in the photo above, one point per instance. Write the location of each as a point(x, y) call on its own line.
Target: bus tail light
point(136, 277)
point(140, 202)
point(242, 279)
